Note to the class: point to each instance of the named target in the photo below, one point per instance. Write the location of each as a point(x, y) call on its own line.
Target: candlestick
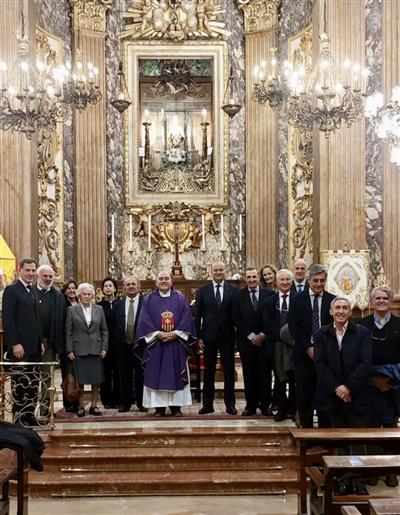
point(130, 233)
point(149, 234)
point(203, 233)
point(222, 231)
point(112, 232)
point(240, 231)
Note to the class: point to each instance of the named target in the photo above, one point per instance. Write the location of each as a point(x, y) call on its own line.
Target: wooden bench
point(350, 510)
point(384, 506)
point(13, 469)
point(366, 465)
point(387, 438)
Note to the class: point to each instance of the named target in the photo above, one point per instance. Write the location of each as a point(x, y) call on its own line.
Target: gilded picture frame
point(348, 275)
point(135, 52)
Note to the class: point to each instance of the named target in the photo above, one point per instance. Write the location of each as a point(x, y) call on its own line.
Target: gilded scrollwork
point(301, 165)
point(168, 19)
point(194, 224)
point(259, 14)
point(50, 185)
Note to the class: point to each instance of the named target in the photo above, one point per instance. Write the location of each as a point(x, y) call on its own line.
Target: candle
point(222, 231)
point(204, 115)
point(149, 234)
point(146, 115)
point(240, 232)
point(112, 232)
point(203, 233)
point(130, 233)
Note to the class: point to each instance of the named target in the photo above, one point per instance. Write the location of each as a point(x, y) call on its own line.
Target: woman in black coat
point(109, 391)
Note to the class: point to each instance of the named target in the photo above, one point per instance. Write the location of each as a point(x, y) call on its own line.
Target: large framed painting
point(176, 132)
point(348, 275)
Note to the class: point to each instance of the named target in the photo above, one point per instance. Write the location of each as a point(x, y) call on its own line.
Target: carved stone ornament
point(50, 171)
point(301, 165)
point(381, 279)
point(259, 14)
point(174, 19)
point(89, 14)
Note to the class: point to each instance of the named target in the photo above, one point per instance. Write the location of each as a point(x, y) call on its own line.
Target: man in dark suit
point(344, 390)
point(130, 371)
point(280, 343)
point(300, 282)
point(309, 310)
point(22, 332)
point(247, 312)
point(52, 311)
point(216, 330)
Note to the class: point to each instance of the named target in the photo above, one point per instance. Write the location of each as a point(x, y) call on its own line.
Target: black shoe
point(160, 412)
point(124, 409)
point(205, 410)
point(373, 481)
point(280, 416)
point(176, 412)
point(142, 409)
point(231, 410)
point(248, 412)
point(267, 412)
point(344, 488)
point(391, 480)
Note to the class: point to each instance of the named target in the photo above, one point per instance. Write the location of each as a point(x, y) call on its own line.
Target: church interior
point(146, 135)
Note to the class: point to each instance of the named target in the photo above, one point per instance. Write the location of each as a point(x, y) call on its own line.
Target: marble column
point(391, 173)
point(18, 155)
point(261, 140)
point(90, 148)
point(339, 179)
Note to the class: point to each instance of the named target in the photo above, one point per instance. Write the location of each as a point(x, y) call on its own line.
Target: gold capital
point(89, 14)
point(259, 14)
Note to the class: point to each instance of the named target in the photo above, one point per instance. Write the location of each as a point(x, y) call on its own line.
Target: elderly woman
point(385, 329)
point(87, 344)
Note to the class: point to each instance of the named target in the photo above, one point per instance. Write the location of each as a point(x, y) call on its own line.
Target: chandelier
point(324, 98)
point(386, 119)
point(40, 95)
point(29, 98)
point(267, 82)
point(328, 97)
point(79, 88)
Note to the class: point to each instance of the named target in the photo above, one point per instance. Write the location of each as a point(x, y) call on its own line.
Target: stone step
point(99, 459)
point(172, 437)
point(163, 483)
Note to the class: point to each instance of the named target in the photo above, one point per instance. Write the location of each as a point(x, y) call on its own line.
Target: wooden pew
point(365, 465)
point(14, 470)
point(384, 506)
point(332, 438)
point(350, 510)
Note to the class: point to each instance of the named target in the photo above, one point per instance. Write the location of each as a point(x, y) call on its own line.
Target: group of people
point(283, 324)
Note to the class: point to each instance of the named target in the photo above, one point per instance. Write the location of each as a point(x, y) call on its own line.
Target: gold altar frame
point(348, 275)
point(135, 50)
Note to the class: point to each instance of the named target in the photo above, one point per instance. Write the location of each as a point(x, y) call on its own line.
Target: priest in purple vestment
point(164, 335)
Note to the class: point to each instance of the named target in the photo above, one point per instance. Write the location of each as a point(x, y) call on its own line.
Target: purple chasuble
point(165, 364)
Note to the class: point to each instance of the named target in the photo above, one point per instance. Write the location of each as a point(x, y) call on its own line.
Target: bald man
point(300, 282)
point(216, 330)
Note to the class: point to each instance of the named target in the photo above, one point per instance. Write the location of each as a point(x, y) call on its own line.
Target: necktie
point(315, 315)
point(130, 322)
point(30, 291)
point(299, 287)
point(284, 311)
point(218, 295)
point(254, 300)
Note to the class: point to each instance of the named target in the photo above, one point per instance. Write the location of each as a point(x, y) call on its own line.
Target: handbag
point(70, 385)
